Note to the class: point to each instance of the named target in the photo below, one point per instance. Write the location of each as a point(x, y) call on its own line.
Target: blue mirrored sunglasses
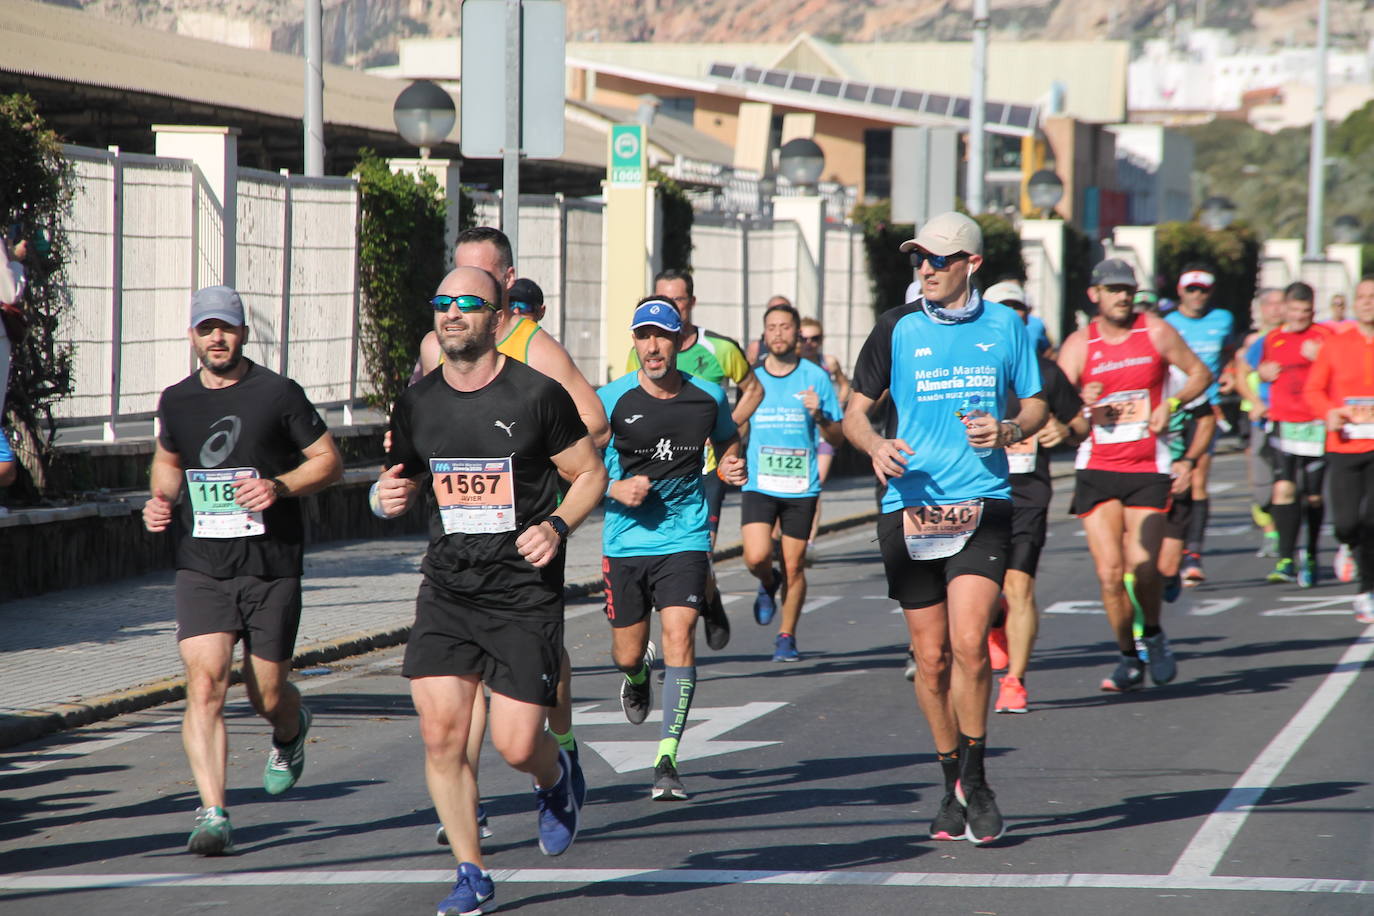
point(937, 261)
point(464, 303)
point(525, 308)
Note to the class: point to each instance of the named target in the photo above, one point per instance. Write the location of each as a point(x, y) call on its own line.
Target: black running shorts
point(794, 513)
point(1028, 527)
point(265, 613)
point(517, 657)
point(1308, 474)
point(637, 585)
point(1132, 490)
point(922, 583)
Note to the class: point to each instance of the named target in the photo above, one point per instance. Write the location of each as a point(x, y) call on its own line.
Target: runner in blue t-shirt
point(656, 535)
point(1208, 332)
point(8, 468)
point(948, 359)
point(784, 480)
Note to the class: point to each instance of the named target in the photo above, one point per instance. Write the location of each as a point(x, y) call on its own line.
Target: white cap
point(1007, 292)
point(948, 233)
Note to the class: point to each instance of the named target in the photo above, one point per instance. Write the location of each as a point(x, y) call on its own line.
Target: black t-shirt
point(1035, 489)
point(471, 449)
point(262, 422)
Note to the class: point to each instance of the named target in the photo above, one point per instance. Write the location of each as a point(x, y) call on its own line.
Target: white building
point(1154, 166)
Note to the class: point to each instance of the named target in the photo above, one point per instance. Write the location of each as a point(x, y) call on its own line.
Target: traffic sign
point(627, 155)
point(542, 79)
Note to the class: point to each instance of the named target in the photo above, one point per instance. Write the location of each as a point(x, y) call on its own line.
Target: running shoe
point(949, 823)
point(910, 671)
point(1011, 695)
point(1160, 660)
point(212, 835)
point(1284, 571)
point(1307, 570)
point(483, 831)
point(1344, 566)
point(785, 648)
point(1129, 674)
point(285, 763)
point(1269, 547)
point(1192, 570)
point(983, 819)
point(1173, 588)
point(997, 648)
point(638, 699)
point(717, 622)
point(472, 888)
point(579, 784)
point(558, 811)
point(1364, 607)
point(667, 785)
point(766, 602)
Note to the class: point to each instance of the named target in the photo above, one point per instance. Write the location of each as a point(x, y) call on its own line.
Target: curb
point(18, 728)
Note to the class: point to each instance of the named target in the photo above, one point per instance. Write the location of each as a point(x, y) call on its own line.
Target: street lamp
point(1217, 213)
point(1045, 190)
point(801, 161)
point(1347, 229)
point(424, 115)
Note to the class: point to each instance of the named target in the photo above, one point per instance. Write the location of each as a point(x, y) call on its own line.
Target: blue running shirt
point(782, 433)
point(935, 370)
point(1207, 337)
point(661, 439)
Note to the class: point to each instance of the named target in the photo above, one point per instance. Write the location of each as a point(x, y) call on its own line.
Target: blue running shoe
point(483, 831)
point(472, 889)
point(766, 604)
point(1307, 570)
point(579, 781)
point(785, 648)
point(1173, 587)
point(558, 813)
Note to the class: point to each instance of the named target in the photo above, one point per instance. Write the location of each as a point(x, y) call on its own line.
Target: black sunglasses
point(464, 303)
point(937, 261)
point(1195, 288)
point(814, 339)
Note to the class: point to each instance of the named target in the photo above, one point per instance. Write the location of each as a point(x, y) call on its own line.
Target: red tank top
point(1132, 374)
point(1286, 402)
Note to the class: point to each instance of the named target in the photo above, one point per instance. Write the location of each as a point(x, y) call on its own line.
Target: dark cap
point(1113, 272)
point(527, 291)
point(220, 302)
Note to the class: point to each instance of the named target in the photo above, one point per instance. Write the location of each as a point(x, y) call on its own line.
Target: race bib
point(936, 532)
point(1021, 456)
point(475, 495)
point(784, 470)
point(1305, 439)
point(1122, 416)
point(214, 512)
point(1363, 425)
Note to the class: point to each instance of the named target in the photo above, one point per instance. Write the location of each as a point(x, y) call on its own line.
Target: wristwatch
point(559, 527)
point(1017, 434)
point(278, 487)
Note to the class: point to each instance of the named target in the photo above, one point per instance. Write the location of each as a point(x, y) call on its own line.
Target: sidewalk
point(77, 656)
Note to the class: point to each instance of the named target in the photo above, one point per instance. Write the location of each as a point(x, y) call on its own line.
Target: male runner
point(948, 359)
point(488, 439)
point(655, 536)
point(527, 300)
point(1254, 392)
point(1340, 388)
point(521, 338)
point(799, 404)
point(758, 347)
point(1208, 332)
point(1028, 462)
point(713, 358)
point(1120, 363)
point(1297, 435)
point(232, 439)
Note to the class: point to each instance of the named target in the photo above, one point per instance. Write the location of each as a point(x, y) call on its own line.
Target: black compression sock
point(1197, 525)
point(971, 760)
point(949, 763)
point(1316, 514)
point(1148, 631)
point(1287, 519)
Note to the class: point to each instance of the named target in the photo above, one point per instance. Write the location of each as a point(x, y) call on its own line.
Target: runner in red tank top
point(1120, 362)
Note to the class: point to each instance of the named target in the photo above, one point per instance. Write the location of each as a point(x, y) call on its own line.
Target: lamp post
point(424, 115)
point(1045, 190)
point(1217, 213)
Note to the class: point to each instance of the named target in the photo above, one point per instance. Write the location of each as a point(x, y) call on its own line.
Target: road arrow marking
point(1339, 606)
point(697, 742)
point(1209, 606)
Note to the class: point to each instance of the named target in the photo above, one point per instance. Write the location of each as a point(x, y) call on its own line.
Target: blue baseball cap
point(659, 313)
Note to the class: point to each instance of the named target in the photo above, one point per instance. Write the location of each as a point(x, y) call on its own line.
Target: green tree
point(889, 271)
point(1233, 254)
point(1002, 258)
point(401, 249)
point(36, 190)
point(678, 217)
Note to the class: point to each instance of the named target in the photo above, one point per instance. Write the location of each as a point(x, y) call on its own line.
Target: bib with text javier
point(1122, 416)
point(214, 512)
point(475, 495)
point(937, 532)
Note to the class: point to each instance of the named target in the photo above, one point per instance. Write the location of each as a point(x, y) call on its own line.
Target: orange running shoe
point(1011, 696)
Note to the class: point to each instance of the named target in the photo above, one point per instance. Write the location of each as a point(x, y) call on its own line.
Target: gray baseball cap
point(1113, 272)
point(220, 302)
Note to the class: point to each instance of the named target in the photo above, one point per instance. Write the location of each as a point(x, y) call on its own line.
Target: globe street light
point(424, 115)
point(1045, 190)
point(801, 161)
point(1217, 213)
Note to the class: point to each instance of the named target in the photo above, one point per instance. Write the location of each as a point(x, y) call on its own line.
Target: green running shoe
point(285, 764)
point(212, 835)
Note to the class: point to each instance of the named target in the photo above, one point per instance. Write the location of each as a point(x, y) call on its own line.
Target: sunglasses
point(810, 340)
point(464, 303)
point(937, 261)
point(523, 307)
point(1195, 288)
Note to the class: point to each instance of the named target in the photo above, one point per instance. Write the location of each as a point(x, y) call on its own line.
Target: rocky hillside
point(365, 32)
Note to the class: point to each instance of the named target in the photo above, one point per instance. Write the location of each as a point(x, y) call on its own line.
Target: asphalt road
point(1242, 788)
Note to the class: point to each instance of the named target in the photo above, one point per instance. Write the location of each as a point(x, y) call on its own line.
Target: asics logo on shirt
point(664, 450)
point(632, 419)
point(923, 351)
point(506, 427)
point(219, 445)
point(985, 347)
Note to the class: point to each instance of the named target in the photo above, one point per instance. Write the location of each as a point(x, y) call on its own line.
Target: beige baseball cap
point(948, 233)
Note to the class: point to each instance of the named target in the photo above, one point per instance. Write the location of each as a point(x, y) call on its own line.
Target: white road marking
point(815, 604)
point(1076, 607)
point(697, 741)
point(1336, 606)
point(1210, 606)
point(1203, 854)
point(583, 876)
point(1215, 488)
point(1205, 607)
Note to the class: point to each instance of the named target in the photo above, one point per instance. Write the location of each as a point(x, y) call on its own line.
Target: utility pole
point(510, 153)
point(1316, 166)
point(977, 159)
point(314, 89)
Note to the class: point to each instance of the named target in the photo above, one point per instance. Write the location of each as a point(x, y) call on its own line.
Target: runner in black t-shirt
point(487, 438)
point(232, 438)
